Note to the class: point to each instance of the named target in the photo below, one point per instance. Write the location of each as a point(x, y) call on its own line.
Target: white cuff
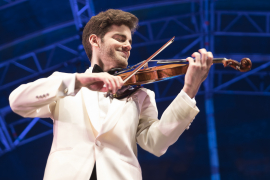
point(69, 84)
point(188, 100)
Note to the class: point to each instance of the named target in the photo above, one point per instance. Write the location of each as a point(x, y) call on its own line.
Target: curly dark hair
point(101, 23)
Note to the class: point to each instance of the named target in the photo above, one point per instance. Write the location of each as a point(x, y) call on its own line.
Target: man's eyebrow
point(124, 36)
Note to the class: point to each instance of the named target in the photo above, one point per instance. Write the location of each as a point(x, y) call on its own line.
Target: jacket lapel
point(92, 106)
point(114, 112)
point(90, 99)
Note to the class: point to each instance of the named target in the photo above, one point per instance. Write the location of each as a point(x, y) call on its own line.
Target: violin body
point(154, 74)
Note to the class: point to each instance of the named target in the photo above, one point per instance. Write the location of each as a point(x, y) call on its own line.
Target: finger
point(190, 60)
point(113, 85)
point(104, 89)
point(203, 55)
point(209, 59)
point(107, 85)
point(197, 57)
point(119, 82)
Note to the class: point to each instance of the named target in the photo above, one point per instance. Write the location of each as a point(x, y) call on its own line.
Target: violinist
point(95, 136)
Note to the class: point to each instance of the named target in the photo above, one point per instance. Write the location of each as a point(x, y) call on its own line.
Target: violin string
point(163, 61)
point(125, 70)
point(132, 67)
point(166, 61)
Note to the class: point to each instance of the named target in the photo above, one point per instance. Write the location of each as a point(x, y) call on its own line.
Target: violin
point(177, 68)
point(173, 68)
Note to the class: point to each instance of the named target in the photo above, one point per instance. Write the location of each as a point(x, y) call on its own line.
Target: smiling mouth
point(125, 53)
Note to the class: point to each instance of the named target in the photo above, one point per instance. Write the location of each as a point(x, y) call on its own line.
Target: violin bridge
point(145, 66)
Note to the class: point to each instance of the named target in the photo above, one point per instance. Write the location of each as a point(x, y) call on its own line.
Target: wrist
point(78, 83)
point(191, 92)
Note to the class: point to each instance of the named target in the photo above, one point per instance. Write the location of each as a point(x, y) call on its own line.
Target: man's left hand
point(197, 71)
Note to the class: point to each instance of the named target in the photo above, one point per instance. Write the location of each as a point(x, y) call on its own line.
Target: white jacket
point(77, 145)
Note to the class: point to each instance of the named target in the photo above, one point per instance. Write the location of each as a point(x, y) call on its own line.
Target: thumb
point(104, 89)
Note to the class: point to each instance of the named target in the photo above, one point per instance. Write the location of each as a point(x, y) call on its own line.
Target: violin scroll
point(243, 66)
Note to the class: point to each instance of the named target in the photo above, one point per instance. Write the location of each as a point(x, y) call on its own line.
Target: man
point(91, 129)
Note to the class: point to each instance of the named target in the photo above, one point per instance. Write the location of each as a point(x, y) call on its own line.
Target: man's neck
point(101, 66)
point(104, 67)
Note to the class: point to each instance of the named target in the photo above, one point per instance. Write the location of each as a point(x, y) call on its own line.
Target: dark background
point(40, 37)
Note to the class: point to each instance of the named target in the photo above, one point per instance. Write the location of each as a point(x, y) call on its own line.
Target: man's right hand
point(102, 82)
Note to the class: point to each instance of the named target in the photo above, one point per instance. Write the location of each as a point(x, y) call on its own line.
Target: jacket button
point(98, 143)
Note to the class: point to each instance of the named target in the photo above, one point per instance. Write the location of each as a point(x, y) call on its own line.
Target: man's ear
point(94, 40)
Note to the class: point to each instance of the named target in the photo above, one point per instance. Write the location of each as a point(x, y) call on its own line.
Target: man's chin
point(122, 63)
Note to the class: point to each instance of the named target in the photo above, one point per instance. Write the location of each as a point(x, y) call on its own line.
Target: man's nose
point(127, 46)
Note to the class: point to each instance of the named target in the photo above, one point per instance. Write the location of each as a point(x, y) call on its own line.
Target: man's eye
point(119, 39)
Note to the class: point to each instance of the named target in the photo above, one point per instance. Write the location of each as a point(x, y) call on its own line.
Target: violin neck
point(175, 61)
point(219, 60)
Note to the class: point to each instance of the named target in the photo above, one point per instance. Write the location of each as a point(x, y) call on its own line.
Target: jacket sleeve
point(155, 136)
point(38, 98)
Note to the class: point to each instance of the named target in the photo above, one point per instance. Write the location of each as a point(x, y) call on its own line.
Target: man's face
point(115, 46)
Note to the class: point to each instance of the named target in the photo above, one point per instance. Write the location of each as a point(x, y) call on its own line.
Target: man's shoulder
point(146, 92)
point(57, 73)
